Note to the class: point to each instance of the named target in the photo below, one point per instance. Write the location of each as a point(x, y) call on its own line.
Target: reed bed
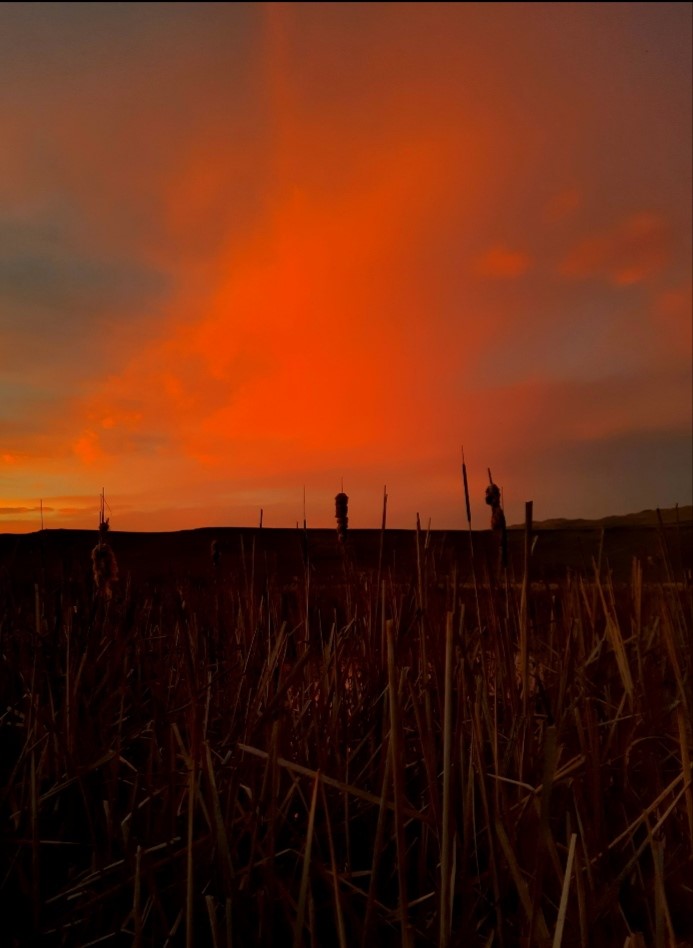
point(454, 759)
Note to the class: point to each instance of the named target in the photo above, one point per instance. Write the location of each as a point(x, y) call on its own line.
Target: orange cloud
point(503, 264)
point(287, 357)
point(87, 448)
point(633, 251)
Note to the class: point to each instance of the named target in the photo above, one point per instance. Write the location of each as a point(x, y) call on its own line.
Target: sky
point(248, 249)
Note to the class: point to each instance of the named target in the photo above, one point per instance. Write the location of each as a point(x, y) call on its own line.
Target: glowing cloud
point(501, 263)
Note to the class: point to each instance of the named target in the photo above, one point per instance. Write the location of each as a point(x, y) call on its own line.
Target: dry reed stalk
point(268, 780)
point(383, 637)
point(636, 591)
point(352, 790)
point(520, 884)
point(305, 873)
point(173, 931)
point(137, 899)
point(35, 854)
point(213, 925)
point(446, 900)
point(613, 632)
point(634, 940)
point(634, 859)
point(428, 754)
point(272, 773)
point(664, 930)
point(346, 803)
point(68, 690)
point(477, 743)
point(664, 546)
point(686, 771)
point(670, 645)
point(468, 829)
point(563, 905)
point(524, 610)
point(644, 815)
point(422, 631)
point(581, 900)
point(339, 917)
point(381, 548)
point(227, 919)
point(377, 846)
point(545, 837)
point(222, 841)
point(189, 875)
point(37, 612)
point(398, 790)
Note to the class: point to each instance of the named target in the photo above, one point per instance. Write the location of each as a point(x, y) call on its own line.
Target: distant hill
point(645, 518)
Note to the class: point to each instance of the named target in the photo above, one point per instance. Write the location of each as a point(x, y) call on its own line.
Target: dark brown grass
point(191, 765)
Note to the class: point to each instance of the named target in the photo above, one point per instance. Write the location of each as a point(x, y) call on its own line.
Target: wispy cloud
point(502, 263)
point(634, 250)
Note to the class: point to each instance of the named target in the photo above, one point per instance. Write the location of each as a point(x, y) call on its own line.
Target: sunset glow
point(250, 248)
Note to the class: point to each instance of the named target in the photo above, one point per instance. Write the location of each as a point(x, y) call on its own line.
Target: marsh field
point(390, 741)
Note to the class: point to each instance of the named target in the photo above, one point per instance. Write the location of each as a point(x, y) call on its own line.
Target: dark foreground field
point(311, 744)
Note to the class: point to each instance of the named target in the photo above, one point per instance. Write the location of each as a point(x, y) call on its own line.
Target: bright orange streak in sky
point(291, 243)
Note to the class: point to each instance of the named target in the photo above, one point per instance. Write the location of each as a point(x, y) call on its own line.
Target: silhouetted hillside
point(645, 518)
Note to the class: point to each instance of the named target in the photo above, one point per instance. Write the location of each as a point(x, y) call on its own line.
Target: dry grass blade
point(397, 774)
point(335, 876)
point(629, 830)
point(634, 940)
point(189, 908)
point(524, 608)
point(137, 899)
point(35, 856)
point(222, 841)
point(377, 847)
point(337, 784)
point(686, 767)
point(613, 632)
point(445, 912)
point(213, 925)
point(563, 906)
point(520, 883)
point(305, 874)
point(664, 930)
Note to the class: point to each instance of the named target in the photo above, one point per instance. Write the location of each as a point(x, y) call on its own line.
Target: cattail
point(341, 503)
point(103, 561)
point(493, 499)
point(493, 495)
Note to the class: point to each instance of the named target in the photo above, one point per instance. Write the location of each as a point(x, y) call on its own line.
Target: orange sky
point(248, 248)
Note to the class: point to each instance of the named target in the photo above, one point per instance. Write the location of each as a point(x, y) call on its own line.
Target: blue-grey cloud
point(48, 283)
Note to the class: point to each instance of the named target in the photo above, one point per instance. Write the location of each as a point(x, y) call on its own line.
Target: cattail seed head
point(341, 502)
point(493, 495)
